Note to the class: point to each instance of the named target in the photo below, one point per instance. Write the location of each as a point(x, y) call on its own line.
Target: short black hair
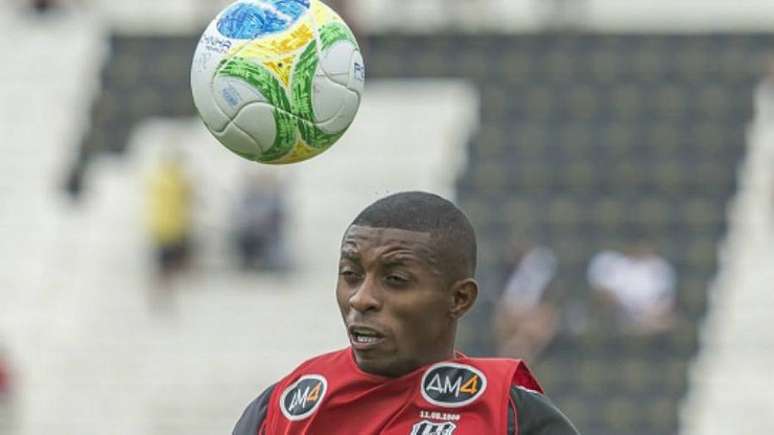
point(451, 232)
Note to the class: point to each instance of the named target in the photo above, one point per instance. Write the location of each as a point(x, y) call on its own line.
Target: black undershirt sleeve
point(536, 415)
point(253, 417)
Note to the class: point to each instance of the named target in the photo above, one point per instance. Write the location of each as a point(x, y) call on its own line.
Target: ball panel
point(302, 80)
point(285, 137)
point(334, 32)
point(315, 97)
point(341, 121)
point(236, 140)
point(356, 80)
point(316, 137)
point(279, 46)
point(281, 68)
point(257, 77)
point(249, 20)
point(232, 94)
point(336, 61)
point(303, 150)
point(300, 152)
point(210, 113)
point(327, 98)
point(209, 53)
point(258, 121)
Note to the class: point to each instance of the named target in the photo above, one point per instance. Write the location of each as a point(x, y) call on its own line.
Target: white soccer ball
point(277, 81)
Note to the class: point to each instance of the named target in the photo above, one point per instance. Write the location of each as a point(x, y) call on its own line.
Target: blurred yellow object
point(169, 203)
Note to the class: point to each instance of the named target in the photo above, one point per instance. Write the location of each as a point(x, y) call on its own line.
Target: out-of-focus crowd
point(632, 292)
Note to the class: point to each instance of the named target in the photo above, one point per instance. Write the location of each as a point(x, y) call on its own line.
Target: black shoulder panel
point(536, 415)
point(253, 417)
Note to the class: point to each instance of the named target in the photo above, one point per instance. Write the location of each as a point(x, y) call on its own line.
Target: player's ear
point(463, 296)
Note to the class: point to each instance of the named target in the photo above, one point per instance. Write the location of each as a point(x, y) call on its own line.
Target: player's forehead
point(360, 240)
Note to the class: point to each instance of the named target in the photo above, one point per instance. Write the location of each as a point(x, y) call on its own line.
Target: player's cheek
point(403, 326)
point(341, 297)
point(422, 329)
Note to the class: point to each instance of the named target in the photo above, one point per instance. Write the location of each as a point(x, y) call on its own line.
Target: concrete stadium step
point(728, 380)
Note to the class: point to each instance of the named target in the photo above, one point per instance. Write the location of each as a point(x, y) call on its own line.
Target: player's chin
point(380, 365)
point(373, 359)
point(373, 353)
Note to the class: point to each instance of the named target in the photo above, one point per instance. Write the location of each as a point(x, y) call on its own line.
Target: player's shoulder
point(513, 371)
point(534, 414)
point(317, 364)
point(530, 412)
point(255, 414)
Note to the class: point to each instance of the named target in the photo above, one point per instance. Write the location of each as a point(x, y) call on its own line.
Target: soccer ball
point(277, 81)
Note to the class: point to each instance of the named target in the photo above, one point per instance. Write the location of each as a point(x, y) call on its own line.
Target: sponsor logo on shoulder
point(452, 385)
point(303, 397)
point(426, 427)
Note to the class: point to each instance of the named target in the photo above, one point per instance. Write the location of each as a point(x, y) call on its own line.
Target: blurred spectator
point(258, 219)
point(638, 285)
point(169, 215)
point(526, 320)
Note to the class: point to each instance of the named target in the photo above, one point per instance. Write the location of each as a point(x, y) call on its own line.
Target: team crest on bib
point(426, 427)
point(452, 385)
point(303, 397)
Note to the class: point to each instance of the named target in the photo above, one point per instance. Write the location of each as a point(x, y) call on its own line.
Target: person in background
point(638, 285)
point(526, 320)
point(259, 218)
point(169, 197)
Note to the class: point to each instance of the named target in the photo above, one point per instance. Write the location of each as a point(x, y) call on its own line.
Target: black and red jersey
point(330, 395)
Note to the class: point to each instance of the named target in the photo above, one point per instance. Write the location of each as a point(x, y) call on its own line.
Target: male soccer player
point(405, 278)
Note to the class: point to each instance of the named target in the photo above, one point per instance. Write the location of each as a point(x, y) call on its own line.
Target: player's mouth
point(364, 338)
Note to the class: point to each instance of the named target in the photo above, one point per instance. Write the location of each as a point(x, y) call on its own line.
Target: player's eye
point(349, 274)
point(396, 280)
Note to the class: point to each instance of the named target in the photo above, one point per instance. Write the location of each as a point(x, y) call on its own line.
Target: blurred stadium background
point(582, 124)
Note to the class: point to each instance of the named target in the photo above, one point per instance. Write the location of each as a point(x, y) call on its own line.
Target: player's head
point(405, 278)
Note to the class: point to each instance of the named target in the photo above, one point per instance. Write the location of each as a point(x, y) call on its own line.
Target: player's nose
point(365, 297)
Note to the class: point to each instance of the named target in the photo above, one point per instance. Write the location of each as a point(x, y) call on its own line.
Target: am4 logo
point(452, 385)
point(426, 427)
point(303, 397)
